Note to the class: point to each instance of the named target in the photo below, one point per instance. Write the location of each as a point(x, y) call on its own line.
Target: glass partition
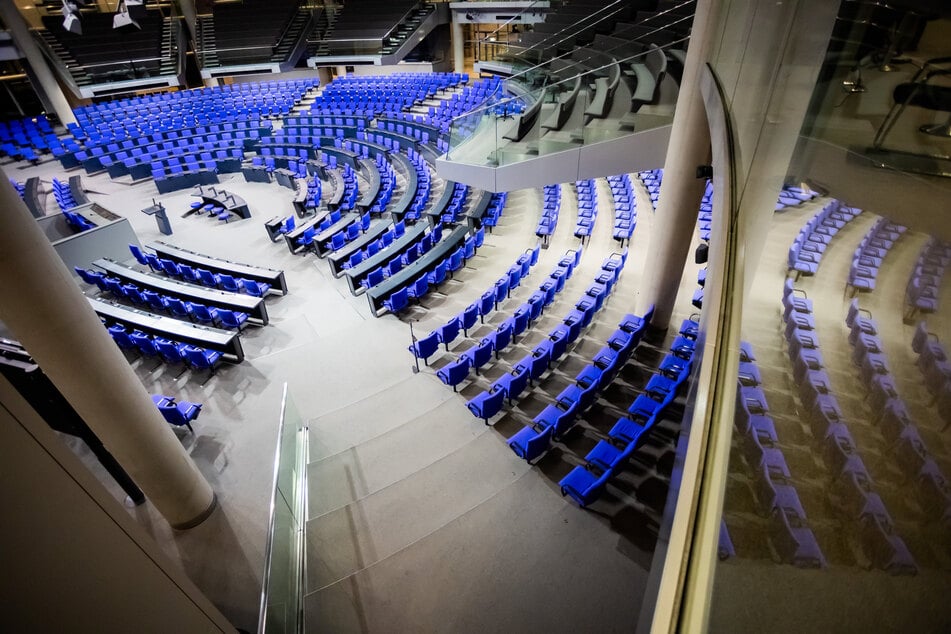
point(832, 470)
point(282, 592)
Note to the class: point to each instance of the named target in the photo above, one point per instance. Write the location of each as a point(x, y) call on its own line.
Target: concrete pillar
point(210, 82)
point(458, 47)
point(341, 71)
point(190, 16)
point(46, 311)
point(324, 75)
point(681, 190)
point(46, 83)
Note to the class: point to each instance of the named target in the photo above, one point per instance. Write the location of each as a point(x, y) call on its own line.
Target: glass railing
point(556, 106)
point(827, 465)
point(281, 610)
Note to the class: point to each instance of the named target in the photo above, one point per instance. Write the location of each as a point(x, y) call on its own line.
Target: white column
point(48, 314)
point(681, 190)
point(34, 57)
point(341, 71)
point(458, 46)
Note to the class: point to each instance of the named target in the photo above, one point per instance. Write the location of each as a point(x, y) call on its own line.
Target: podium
point(161, 218)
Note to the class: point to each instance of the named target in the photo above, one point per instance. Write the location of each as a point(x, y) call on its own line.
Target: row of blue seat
point(806, 251)
point(63, 195)
point(385, 240)
point(922, 291)
point(587, 208)
point(882, 546)
point(423, 186)
point(585, 483)
point(512, 327)
point(494, 211)
point(424, 347)
point(398, 261)
point(418, 288)
point(869, 254)
point(192, 311)
point(625, 207)
point(197, 275)
point(166, 349)
point(773, 486)
point(551, 205)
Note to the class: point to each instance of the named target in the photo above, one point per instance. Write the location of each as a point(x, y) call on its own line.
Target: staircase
point(62, 59)
point(207, 50)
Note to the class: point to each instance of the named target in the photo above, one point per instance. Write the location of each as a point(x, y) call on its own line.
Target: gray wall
point(72, 559)
point(109, 241)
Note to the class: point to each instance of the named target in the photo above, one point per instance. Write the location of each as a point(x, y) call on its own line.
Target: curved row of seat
point(773, 486)
point(585, 483)
point(201, 276)
point(625, 207)
point(551, 205)
point(169, 351)
point(374, 95)
point(869, 254)
point(806, 251)
point(935, 366)
point(174, 306)
point(851, 482)
point(924, 284)
point(587, 208)
point(22, 139)
point(519, 322)
point(421, 286)
point(397, 261)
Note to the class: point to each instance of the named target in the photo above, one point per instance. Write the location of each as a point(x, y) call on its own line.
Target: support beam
point(458, 46)
point(681, 190)
point(46, 311)
point(46, 86)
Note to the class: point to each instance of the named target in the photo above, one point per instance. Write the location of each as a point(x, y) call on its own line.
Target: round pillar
point(51, 317)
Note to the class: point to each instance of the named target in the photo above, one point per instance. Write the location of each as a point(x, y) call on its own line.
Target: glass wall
point(282, 590)
point(833, 471)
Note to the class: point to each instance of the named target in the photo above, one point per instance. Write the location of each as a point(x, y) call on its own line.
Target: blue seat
point(521, 318)
point(207, 278)
point(479, 354)
point(425, 347)
point(122, 337)
point(372, 278)
point(187, 273)
point(455, 261)
point(397, 301)
point(531, 442)
point(449, 331)
point(513, 383)
point(88, 276)
point(467, 318)
point(628, 432)
point(204, 314)
point(501, 290)
point(155, 301)
point(337, 242)
point(154, 263)
point(171, 351)
point(583, 486)
point(486, 304)
point(455, 373)
point(485, 405)
point(607, 456)
point(438, 275)
point(559, 416)
point(232, 319)
point(202, 358)
point(170, 267)
point(180, 413)
point(179, 308)
point(144, 343)
point(418, 289)
point(251, 287)
point(137, 252)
